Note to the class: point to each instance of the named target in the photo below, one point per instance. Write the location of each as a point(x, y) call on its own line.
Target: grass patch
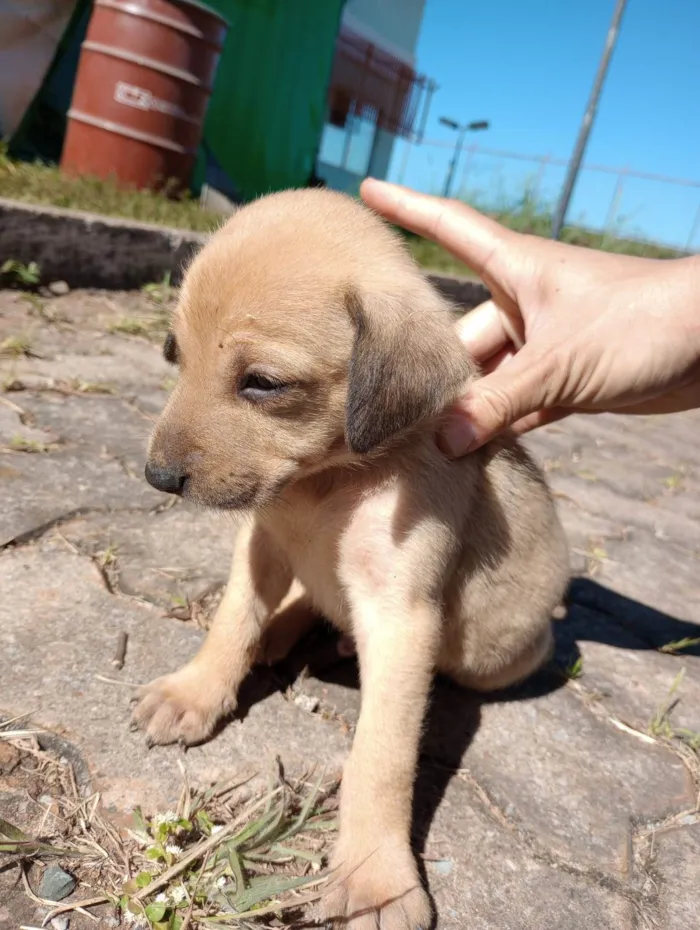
point(527, 215)
point(45, 184)
point(661, 725)
point(225, 857)
point(234, 872)
point(433, 257)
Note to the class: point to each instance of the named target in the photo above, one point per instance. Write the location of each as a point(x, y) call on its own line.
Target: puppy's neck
point(348, 474)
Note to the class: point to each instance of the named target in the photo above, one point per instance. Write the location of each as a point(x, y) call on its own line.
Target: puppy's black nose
point(170, 480)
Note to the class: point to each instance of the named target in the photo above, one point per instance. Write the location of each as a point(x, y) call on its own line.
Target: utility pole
point(588, 118)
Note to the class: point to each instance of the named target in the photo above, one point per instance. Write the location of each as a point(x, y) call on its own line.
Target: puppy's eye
point(260, 387)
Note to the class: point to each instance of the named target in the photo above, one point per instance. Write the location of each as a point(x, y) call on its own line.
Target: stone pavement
point(572, 802)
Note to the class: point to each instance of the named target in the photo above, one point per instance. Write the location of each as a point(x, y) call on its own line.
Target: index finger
point(465, 232)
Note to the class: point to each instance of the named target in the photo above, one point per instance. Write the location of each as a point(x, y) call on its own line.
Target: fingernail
point(457, 436)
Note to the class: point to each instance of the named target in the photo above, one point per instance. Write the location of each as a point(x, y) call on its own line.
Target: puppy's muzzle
point(171, 480)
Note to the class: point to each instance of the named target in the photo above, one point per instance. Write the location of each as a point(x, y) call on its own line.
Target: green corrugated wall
point(267, 111)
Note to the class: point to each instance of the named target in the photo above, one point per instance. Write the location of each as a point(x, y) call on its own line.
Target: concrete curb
point(90, 250)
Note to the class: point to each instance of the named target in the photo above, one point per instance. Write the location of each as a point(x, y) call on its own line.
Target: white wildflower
point(178, 894)
point(135, 921)
point(167, 817)
point(221, 881)
point(161, 898)
point(173, 849)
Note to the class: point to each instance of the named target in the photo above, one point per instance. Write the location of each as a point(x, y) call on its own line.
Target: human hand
point(568, 329)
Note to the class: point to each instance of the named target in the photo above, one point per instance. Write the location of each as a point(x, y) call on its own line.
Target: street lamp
point(461, 129)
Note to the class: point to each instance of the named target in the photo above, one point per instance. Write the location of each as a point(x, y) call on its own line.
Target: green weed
point(16, 347)
point(33, 446)
point(19, 273)
point(679, 645)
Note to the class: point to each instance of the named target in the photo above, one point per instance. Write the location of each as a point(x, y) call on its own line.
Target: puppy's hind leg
point(186, 705)
point(494, 655)
point(494, 677)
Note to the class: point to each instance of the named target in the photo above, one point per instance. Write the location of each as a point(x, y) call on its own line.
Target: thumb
point(520, 387)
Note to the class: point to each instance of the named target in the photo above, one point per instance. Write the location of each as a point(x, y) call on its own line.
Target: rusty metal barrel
point(145, 75)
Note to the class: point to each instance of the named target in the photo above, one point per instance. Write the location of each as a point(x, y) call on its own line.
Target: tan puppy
point(314, 360)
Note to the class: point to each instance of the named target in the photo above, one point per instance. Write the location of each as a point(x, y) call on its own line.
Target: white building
point(375, 93)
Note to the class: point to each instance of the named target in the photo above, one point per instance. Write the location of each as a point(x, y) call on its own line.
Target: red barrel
point(145, 76)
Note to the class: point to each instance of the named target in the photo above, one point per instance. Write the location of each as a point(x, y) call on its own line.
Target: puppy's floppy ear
point(407, 364)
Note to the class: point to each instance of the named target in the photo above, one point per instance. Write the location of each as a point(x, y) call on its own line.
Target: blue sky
point(528, 65)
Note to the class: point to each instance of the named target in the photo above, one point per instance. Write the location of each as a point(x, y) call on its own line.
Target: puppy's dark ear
point(407, 364)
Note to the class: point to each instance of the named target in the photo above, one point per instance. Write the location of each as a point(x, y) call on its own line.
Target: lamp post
point(461, 129)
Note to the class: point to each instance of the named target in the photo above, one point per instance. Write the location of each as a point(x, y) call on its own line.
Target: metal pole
point(589, 116)
point(455, 158)
point(471, 151)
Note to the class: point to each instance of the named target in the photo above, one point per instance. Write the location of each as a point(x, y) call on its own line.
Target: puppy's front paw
point(182, 708)
point(380, 889)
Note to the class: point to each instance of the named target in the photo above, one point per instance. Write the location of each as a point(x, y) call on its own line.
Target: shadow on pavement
point(594, 613)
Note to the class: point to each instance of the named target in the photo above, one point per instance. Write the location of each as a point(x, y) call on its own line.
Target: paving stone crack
point(642, 860)
point(108, 575)
point(38, 532)
point(595, 705)
point(532, 846)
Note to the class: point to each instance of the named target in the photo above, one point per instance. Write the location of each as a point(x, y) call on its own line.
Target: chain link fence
point(617, 201)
